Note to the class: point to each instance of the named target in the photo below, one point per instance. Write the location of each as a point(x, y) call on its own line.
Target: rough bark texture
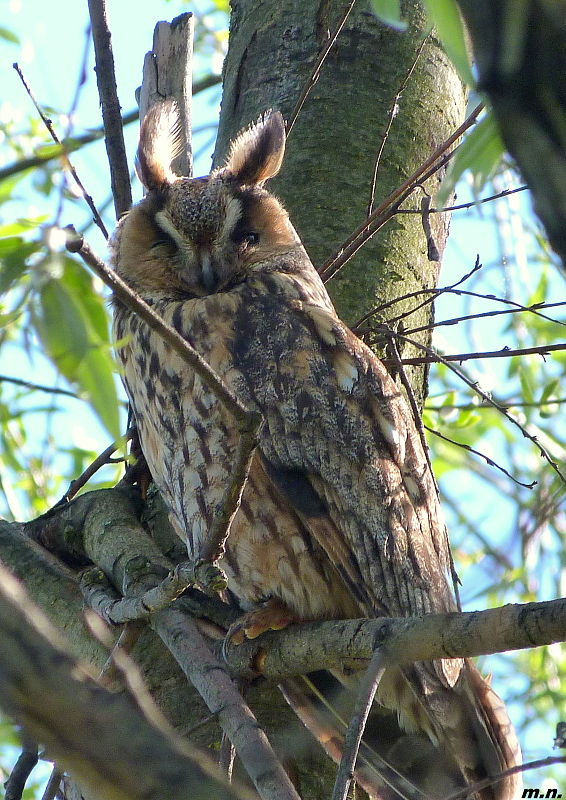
point(326, 176)
point(521, 57)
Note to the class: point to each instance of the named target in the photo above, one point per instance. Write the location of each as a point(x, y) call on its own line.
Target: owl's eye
point(163, 238)
point(244, 237)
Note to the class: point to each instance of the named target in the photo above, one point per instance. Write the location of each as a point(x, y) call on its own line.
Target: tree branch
point(113, 132)
point(95, 734)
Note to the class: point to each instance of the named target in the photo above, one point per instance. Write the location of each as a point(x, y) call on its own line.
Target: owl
point(339, 517)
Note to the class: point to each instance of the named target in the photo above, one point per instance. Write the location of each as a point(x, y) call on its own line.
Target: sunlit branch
point(387, 207)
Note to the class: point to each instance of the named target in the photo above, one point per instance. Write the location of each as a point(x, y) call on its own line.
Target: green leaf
point(95, 376)
point(480, 152)
point(550, 392)
point(8, 36)
point(79, 284)
point(61, 327)
point(75, 338)
point(389, 12)
point(21, 226)
point(467, 418)
point(14, 251)
point(8, 318)
point(445, 17)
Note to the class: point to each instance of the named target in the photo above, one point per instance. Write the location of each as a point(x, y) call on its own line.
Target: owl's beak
point(209, 277)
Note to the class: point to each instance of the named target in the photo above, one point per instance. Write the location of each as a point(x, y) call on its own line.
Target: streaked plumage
point(340, 515)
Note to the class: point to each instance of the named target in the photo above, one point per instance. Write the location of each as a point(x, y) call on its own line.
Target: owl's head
point(196, 236)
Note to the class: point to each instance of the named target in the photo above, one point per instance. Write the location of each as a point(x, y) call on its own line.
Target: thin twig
point(434, 293)
point(505, 352)
point(49, 125)
point(505, 403)
point(81, 81)
point(53, 784)
point(313, 77)
point(23, 767)
point(474, 385)
point(76, 142)
point(100, 461)
point(455, 320)
point(461, 206)
point(387, 207)
point(113, 132)
point(486, 782)
point(38, 387)
point(489, 460)
point(368, 687)
point(123, 293)
point(390, 117)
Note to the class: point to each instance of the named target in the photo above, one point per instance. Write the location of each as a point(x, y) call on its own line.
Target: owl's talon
point(272, 616)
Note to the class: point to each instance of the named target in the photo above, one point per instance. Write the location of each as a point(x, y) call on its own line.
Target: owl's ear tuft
point(256, 154)
point(161, 141)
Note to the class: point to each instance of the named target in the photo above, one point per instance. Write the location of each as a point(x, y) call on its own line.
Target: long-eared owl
point(339, 517)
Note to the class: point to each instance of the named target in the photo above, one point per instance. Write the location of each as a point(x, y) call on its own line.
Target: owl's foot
point(273, 615)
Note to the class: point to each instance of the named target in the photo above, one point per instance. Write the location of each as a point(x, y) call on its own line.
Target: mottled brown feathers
point(340, 516)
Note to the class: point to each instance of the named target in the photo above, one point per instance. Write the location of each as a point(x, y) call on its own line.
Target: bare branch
point(368, 687)
point(350, 644)
point(431, 294)
point(38, 387)
point(461, 206)
point(59, 703)
point(390, 117)
point(331, 41)
point(487, 459)
point(505, 352)
point(49, 125)
point(506, 403)
point(100, 461)
point(489, 400)
point(23, 767)
point(113, 133)
point(76, 142)
point(525, 767)
point(387, 207)
point(534, 308)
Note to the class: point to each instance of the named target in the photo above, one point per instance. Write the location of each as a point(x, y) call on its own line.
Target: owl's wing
point(341, 445)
